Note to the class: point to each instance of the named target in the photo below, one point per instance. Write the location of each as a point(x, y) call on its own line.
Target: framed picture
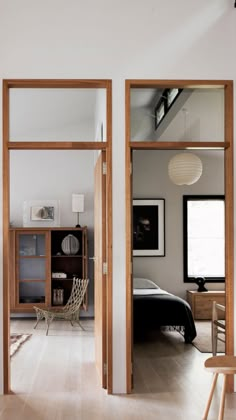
point(41, 213)
point(149, 227)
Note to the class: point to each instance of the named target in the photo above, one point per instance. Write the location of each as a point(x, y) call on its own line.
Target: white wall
point(100, 115)
point(117, 40)
point(196, 115)
point(201, 118)
point(55, 175)
point(151, 180)
point(53, 114)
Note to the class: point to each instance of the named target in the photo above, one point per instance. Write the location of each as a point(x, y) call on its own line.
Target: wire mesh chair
point(70, 312)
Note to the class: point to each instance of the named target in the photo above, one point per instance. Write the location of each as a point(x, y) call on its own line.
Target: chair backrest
point(75, 300)
point(218, 311)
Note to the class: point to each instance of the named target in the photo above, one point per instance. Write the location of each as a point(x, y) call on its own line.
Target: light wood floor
point(54, 378)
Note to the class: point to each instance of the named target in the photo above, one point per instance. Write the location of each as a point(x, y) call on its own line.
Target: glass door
point(31, 268)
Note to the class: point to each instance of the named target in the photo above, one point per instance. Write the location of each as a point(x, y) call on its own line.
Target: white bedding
point(148, 292)
point(143, 283)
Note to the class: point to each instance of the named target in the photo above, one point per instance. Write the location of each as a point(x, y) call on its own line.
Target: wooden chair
point(219, 364)
point(70, 311)
point(217, 325)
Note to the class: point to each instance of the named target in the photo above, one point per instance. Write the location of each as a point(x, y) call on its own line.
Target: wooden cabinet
point(41, 273)
point(67, 263)
point(201, 302)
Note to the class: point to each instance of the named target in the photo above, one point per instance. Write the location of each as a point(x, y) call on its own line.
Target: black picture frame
point(149, 227)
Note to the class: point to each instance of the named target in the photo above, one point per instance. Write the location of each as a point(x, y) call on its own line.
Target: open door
point(131, 274)
point(100, 270)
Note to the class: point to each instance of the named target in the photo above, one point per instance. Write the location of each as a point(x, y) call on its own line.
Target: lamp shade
point(185, 169)
point(77, 203)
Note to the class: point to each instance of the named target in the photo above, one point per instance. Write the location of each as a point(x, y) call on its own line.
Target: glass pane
point(57, 114)
point(174, 114)
point(51, 175)
point(206, 238)
point(32, 269)
point(32, 292)
point(32, 245)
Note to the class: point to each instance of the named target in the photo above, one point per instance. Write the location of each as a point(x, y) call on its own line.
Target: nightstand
point(201, 302)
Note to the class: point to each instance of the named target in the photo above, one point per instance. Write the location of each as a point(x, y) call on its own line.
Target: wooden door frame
point(227, 146)
point(66, 145)
point(99, 307)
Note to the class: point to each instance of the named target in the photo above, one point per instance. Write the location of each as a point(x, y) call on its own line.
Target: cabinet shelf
point(67, 256)
point(31, 280)
point(32, 299)
point(31, 256)
point(35, 255)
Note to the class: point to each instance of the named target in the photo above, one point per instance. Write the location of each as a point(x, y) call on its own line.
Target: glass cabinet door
point(31, 267)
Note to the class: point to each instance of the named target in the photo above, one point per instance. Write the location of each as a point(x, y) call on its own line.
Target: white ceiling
point(144, 97)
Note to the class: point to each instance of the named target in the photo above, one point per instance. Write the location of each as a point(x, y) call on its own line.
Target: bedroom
point(151, 180)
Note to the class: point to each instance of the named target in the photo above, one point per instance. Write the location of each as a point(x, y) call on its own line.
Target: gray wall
point(150, 180)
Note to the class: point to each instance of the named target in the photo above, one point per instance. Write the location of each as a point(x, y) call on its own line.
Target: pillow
point(142, 283)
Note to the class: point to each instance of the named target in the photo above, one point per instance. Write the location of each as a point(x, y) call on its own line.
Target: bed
point(155, 308)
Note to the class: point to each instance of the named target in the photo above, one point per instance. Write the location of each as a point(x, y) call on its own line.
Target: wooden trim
point(229, 248)
point(229, 231)
point(6, 211)
point(57, 83)
point(48, 286)
point(56, 145)
point(12, 237)
point(147, 145)
point(7, 146)
point(191, 84)
point(109, 239)
point(129, 257)
point(48, 229)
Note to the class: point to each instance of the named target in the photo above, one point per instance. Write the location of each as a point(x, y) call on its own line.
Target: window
point(168, 98)
point(204, 237)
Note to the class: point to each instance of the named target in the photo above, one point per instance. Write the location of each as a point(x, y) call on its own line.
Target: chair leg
point(48, 319)
point(39, 316)
point(205, 415)
point(222, 400)
point(38, 319)
point(76, 319)
point(81, 326)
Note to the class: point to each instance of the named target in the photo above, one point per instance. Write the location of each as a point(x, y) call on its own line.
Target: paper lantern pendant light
point(185, 169)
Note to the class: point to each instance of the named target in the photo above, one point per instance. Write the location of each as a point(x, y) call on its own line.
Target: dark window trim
point(187, 198)
point(163, 101)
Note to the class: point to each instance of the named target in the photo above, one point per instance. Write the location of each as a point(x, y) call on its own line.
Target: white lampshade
point(77, 203)
point(185, 169)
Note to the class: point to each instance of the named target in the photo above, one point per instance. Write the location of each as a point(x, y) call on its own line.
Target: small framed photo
point(41, 213)
point(149, 227)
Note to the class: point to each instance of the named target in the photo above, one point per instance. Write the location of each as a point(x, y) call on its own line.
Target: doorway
point(99, 141)
point(167, 99)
